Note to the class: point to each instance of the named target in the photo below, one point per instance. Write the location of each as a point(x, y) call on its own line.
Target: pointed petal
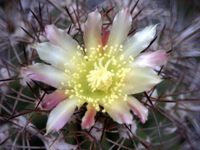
point(120, 28)
point(88, 119)
point(46, 74)
point(53, 99)
point(138, 108)
point(119, 112)
point(92, 31)
point(60, 114)
point(105, 36)
point(54, 55)
point(140, 80)
point(60, 38)
point(152, 59)
point(139, 41)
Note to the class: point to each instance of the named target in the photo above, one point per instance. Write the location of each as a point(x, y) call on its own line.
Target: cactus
point(173, 104)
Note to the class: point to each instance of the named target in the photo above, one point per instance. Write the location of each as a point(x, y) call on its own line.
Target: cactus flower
point(106, 72)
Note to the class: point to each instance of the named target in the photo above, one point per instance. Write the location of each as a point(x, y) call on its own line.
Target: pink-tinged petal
point(92, 31)
point(139, 41)
point(120, 28)
point(139, 80)
point(105, 36)
point(53, 99)
point(60, 38)
point(152, 59)
point(54, 55)
point(46, 74)
point(88, 119)
point(138, 108)
point(59, 116)
point(119, 112)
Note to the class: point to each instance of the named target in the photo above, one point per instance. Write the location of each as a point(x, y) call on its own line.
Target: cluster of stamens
point(99, 77)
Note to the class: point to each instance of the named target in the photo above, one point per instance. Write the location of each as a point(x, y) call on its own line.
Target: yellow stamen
point(100, 78)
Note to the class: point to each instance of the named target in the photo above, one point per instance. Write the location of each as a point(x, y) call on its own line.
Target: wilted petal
point(58, 143)
point(60, 114)
point(139, 41)
point(5, 73)
point(60, 38)
point(122, 130)
point(54, 55)
point(46, 74)
point(88, 119)
point(53, 99)
point(138, 108)
point(95, 132)
point(152, 59)
point(120, 28)
point(92, 31)
point(119, 112)
point(140, 80)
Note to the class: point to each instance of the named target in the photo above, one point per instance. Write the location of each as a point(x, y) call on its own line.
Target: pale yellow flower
point(106, 72)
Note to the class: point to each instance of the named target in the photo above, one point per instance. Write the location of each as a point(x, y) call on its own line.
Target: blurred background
point(174, 108)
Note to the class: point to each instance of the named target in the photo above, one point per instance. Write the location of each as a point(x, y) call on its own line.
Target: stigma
point(100, 78)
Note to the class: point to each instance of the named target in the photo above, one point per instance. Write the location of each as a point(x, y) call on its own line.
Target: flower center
point(99, 82)
point(100, 78)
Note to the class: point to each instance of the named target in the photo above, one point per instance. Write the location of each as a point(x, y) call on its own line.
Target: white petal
point(54, 55)
point(139, 41)
point(46, 74)
point(138, 108)
point(151, 59)
point(92, 31)
point(60, 114)
point(120, 28)
point(119, 112)
point(60, 38)
point(140, 80)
